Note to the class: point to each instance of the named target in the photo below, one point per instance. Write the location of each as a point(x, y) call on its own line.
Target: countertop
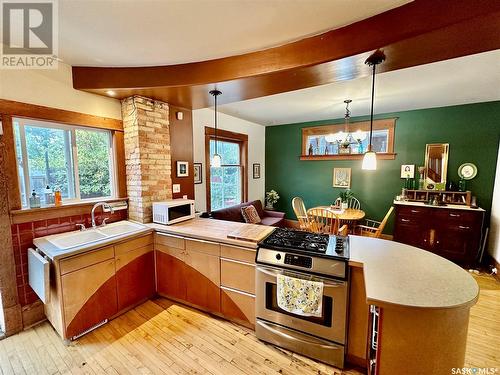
point(399, 275)
point(448, 206)
point(206, 229)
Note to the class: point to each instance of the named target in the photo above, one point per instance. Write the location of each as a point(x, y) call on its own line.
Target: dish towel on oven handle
point(299, 296)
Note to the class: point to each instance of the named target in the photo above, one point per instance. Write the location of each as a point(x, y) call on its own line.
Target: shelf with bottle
point(445, 197)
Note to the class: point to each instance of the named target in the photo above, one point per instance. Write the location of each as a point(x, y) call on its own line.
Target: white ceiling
point(469, 79)
point(162, 32)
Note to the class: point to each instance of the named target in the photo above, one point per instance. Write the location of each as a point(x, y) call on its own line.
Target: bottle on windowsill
point(57, 197)
point(34, 200)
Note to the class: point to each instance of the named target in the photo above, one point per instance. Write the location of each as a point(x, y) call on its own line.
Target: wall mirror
point(436, 165)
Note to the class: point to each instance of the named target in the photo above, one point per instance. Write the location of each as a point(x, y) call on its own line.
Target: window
point(227, 184)
point(315, 145)
point(76, 160)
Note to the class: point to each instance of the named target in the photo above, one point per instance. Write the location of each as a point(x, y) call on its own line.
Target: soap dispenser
point(34, 200)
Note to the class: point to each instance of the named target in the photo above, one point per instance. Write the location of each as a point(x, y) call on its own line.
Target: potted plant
point(271, 199)
point(344, 197)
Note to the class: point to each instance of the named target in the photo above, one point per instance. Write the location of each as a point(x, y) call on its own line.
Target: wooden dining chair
point(373, 228)
point(300, 212)
point(323, 220)
point(353, 203)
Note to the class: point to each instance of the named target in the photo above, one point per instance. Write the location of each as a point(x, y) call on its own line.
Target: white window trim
point(73, 153)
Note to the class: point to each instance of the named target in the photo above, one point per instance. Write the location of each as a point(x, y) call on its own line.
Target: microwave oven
point(173, 211)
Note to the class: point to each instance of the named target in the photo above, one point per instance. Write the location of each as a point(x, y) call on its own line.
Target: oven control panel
point(298, 260)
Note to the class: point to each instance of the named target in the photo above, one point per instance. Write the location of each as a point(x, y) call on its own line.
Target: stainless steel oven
point(322, 338)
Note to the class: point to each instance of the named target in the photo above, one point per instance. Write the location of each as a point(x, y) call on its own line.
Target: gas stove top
point(321, 254)
point(315, 244)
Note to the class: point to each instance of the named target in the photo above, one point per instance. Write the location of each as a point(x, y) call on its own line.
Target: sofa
point(233, 213)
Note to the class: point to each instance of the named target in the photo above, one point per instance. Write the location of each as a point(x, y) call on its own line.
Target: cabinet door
point(238, 305)
point(409, 231)
point(89, 297)
point(170, 271)
point(135, 277)
point(203, 276)
point(457, 242)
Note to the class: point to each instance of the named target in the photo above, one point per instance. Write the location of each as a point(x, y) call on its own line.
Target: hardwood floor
point(162, 337)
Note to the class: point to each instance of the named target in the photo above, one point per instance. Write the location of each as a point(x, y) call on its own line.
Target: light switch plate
point(176, 188)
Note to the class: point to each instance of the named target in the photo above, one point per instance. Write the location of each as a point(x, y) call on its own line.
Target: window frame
point(73, 152)
point(384, 124)
point(226, 136)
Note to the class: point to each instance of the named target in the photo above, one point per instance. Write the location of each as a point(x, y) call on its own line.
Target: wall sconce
point(179, 115)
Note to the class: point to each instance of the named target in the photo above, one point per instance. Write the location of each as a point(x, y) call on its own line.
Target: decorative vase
point(269, 206)
point(344, 205)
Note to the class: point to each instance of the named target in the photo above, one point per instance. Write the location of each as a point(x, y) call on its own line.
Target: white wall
point(494, 240)
point(256, 150)
point(54, 88)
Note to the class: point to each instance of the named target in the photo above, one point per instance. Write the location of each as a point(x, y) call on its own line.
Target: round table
point(348, 216)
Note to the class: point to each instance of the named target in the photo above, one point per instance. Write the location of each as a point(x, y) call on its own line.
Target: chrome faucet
point(104, 206)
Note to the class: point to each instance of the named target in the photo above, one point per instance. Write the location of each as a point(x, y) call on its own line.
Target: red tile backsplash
point(22, 239)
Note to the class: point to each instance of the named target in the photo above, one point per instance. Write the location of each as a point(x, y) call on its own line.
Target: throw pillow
point(250, 215)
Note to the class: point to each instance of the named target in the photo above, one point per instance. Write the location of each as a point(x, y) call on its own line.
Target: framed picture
point(182, 169)
point(198, 174)
point(256, 171)
point(408, 171)
point(342, 178)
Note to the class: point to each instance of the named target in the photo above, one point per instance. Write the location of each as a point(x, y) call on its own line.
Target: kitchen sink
point(72, 239)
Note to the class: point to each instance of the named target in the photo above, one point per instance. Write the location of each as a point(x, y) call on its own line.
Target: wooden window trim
point(10, 109)
point(226, 135)
point(383, 124)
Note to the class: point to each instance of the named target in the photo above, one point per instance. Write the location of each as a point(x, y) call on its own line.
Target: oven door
point(330, 326)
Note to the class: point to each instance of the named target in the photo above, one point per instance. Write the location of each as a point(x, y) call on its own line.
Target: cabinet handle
point(454, 215)
point(405, 220)
point(415, 211)
point(425, 239)
point(463, 227)
point(437, 242)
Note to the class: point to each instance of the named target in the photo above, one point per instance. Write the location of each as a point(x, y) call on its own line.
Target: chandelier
point(345, 138)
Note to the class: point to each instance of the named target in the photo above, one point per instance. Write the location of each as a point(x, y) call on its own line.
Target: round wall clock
point(467, 171)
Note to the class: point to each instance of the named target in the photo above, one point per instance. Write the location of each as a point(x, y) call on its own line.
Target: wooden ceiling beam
point(417, 33)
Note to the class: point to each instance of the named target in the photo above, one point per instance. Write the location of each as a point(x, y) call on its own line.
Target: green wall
point(472, 130)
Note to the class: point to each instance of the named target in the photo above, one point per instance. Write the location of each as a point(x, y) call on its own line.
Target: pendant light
point(370, 157)
point(216, 161)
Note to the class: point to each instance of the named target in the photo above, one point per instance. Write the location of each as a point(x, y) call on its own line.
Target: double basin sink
point(91, 236)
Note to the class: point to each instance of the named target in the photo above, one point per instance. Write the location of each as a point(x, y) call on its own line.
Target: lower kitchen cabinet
point(88, 297)
point(135, 278)
point(238, 305)
point(170, 266)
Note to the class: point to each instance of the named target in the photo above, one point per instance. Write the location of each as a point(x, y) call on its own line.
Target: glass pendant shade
point(340, 136)
point(369, 161)
point(330, 138)
point(216, 161)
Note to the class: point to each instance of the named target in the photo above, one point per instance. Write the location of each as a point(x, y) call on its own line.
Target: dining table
point(347, 216)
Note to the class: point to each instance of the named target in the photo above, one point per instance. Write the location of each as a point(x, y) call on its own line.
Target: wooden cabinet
point(238, 284)
point(135, 277)
point(452, 233)
point(202, 274)
point(170, 266)
point(188, 270)
point(88, 297)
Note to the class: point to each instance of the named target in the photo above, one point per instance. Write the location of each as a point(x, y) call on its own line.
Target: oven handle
point(290, 337)
point(326, 284)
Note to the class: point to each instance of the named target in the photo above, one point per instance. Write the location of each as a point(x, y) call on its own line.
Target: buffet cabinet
point(452, 233)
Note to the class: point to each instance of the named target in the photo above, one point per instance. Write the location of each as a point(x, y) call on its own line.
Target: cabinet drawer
point(237, 305)
point(201, 246)
point(409, 220)
point(84, 260)
point(237, 275)
point(238, 253)
point(412, 211)
point(170, 240)
point(133, 244)
point(458, 216)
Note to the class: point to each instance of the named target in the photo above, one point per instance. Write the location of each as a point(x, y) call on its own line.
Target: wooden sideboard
point(452, 233)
